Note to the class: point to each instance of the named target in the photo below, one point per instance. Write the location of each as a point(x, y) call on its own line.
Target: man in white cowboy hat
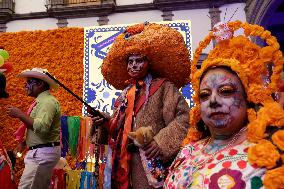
point(40, 130)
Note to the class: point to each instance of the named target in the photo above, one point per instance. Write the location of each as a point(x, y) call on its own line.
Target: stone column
point(167, 15)
point(215, 18)
point(3, 27)
point(62, 23)
point(103, 20)
point(202, 57)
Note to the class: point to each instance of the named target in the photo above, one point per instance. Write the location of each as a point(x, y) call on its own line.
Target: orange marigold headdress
point(163, 46)
point(250, 62)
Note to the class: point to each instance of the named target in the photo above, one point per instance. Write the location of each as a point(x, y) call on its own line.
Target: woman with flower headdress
point(149, 62)
point(235, 139)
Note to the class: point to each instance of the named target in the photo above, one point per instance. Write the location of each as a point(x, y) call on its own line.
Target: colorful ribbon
point(88, 180)
point(73, 133)
point(21, 131)
point(64, 136)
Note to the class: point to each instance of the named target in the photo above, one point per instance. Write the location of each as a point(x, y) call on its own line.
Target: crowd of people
point(231, 138)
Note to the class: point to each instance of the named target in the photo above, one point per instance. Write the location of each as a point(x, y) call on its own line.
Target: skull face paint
point(137, 66)
point(222, 100)
point(29, 86)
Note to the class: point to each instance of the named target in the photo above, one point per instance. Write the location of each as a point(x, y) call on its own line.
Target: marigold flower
point(258, 94)
point(273, 113)
point(194, 115)
point(266, 53)
point(263, 154)
point(278, 139)
point(251, 115)
point(256, 130)
point(193, 135)
point(251, 52)
point(274, 179)
point(238, 42)
point(57, 48)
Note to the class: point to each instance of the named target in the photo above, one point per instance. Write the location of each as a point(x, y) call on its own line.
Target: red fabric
point(101, 175)
point(6, 181)
point(5, 178)
point(21, 131)
point(58, 179)
point(83, 141)
point(280, 86)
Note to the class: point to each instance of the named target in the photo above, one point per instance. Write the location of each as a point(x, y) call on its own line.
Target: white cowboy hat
point(39, 73)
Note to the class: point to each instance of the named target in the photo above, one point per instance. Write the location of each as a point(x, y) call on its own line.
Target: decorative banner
point(97, 42)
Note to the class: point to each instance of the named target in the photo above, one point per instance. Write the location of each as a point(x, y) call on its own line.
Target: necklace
point(232, 141)
point(197, 165)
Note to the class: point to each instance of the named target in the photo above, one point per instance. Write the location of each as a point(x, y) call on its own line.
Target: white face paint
point(137, 66)
point(222, 100)
point(29, 86)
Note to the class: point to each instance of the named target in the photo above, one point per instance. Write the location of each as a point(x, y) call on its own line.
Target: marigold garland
point(61, 52)
point(274, 179)
point(256, 130)
point(271, 114)
point(278, 139)
point(251, 114)
point(263, 154)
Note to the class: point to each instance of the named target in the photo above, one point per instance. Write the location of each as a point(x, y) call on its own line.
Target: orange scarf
point(127, 127)
point(121, 157)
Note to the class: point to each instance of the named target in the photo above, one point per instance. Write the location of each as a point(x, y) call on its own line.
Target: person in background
point(6, 165)
point(3, 93)
point(40, 130)
point(235, 139)
point(149, 62)
point(279, 95)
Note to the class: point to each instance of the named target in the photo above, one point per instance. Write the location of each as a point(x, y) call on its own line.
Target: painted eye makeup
point(31, 82)
point(139, 60)
point(130, 62)
point(226, 90)
point(204, 95)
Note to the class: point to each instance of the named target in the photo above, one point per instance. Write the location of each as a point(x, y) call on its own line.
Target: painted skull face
point(222, 100)
point(137, 66)
point(222, 32)
point(30, 85)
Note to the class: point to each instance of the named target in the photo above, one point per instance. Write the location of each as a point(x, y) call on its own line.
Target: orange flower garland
point(271, 114)
point(256, 130)
point(278, 139)
point(61, 52)
point(274, 179)
point(263, 154)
